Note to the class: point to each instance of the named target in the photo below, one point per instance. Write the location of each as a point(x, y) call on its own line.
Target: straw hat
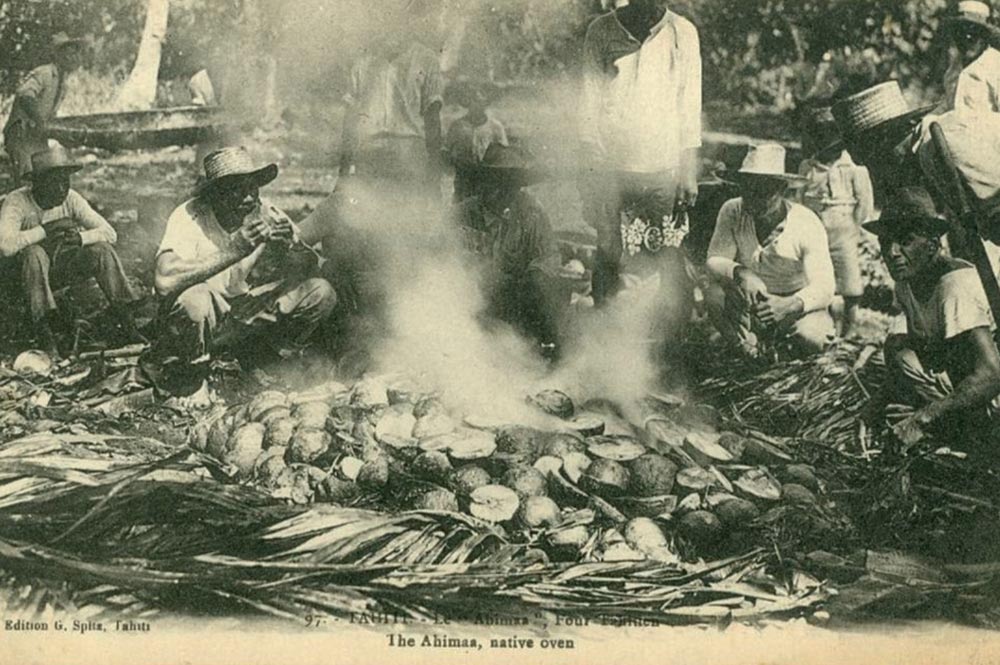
point(909, 210)
point(52, 159)
point(880, 107)
point(768, 161)
point(972, 14)
point(228, 163)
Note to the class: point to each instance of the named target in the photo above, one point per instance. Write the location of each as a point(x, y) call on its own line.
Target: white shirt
point(642, 102)
point(22, 221)
point(193, 233)
point(976, 87)
point(800, 238)
point(957, 305)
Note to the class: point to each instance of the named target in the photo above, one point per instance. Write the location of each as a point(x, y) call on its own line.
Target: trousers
point(203, 319)
point(727, 307)
point(43, 267)
point(21, 141)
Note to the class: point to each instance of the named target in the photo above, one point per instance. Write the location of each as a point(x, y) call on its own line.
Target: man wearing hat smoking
point(771, 261)
point(58, 238)
point(209, 248)
point(973, 82)
point(840, 193)
point(946, 363)
point(36, 103)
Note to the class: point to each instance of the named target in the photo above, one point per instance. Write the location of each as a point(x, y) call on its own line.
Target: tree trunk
point(139, 91)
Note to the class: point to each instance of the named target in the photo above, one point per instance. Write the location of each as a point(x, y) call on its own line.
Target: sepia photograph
point(542, 331)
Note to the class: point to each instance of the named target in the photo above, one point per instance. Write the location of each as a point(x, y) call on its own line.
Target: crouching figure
point(946, 364)
point(211, 245)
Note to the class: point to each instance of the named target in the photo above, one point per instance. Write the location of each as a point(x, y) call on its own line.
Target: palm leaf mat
point(129, 537)
point(115, 526)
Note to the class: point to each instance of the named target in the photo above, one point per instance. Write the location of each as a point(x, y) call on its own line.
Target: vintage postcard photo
point(499, 331)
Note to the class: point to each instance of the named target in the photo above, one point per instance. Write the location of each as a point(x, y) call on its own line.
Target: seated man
point(772, 262)
point(946, 363)
point(210, 246)
point(59, 239)
point(510, 229)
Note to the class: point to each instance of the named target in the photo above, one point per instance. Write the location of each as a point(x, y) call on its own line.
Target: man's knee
point(34, 261)
point(196, 305)
point(319, 297)
point(815, 331)
point(102, 254)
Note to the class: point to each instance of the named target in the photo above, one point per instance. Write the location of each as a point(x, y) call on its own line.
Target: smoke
point(432, 327)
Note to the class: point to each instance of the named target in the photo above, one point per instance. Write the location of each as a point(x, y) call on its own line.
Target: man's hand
point(59, 227)
point(913, 430)
point(751, 285)
point(254, 232)
point(72, 238)
point(772, 310)
point(282, 231)
point(687, 192)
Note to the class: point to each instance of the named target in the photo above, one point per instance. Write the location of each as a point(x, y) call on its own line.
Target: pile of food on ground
point(580, 483)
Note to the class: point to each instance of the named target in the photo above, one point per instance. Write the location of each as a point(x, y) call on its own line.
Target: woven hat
point(52, 159)
point(878, 107)
point(909, 210)
point(767, 160)
point(228, 163)
point(974, 14)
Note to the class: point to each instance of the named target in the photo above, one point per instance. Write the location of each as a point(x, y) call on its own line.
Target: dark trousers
point(606, 197)
point(43, 267)
point(21, 141)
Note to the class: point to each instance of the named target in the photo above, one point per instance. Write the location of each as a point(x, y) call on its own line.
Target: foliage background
point(758, 54)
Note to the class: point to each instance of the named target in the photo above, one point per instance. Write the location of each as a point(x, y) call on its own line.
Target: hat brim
point(954, 22)
point(790, 179)
point(907, 118)
point(260, 177)
point(68, 168)
point(894, 227)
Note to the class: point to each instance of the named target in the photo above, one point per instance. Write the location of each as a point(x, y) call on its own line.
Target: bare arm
point(981, 385)
point(174, 275)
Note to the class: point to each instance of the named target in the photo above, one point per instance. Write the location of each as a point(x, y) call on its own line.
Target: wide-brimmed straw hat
point(767, 160)
point(878, 108)
point(909, 210)
point(972, 14)
point(508, 165)
point(52, 159)
point(228, 163)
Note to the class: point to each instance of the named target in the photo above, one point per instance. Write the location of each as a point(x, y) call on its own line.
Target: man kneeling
point(946, 363)
point(210, 246)
point(774, 275)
